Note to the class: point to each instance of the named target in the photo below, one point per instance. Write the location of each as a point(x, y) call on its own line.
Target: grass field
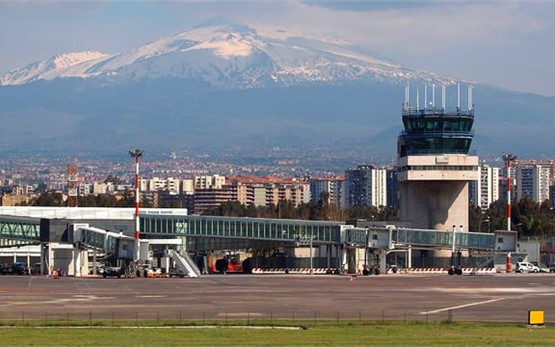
point(297, 334)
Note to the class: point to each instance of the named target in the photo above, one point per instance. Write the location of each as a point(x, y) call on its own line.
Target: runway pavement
point(504, 297)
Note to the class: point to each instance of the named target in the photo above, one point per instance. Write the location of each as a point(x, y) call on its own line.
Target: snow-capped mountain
point(222, 85)
point(63, 65)
point(231, 56)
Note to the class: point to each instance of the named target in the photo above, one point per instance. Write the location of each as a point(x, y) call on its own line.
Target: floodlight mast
point(509, 158)
point(136, 153)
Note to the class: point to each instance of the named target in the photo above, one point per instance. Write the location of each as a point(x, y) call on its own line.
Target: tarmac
point(408, 297)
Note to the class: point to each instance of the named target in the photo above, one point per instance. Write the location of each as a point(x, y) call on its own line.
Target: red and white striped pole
point(509, 195)
point(137, 153)
point(508, 159)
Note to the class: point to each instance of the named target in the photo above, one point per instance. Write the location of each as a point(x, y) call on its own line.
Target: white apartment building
point(532, 181)
point(188, 186)
point(170, 184)
point(207, 182)
point(334, 186)
point(365, 186)
point(486, 189)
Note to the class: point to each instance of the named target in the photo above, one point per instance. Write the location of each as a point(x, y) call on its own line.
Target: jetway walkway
point(295, 232)
point(99, 239)
point(391, 237)
point(19, 230)
point(271, 231)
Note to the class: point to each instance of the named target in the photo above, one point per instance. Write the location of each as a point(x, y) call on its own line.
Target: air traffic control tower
point(434, 166)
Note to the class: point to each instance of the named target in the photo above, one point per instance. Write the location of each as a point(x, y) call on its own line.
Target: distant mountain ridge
point(232, 56)
point(226, 85)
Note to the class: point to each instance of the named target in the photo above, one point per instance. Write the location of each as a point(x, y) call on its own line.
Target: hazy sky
point(510, 44)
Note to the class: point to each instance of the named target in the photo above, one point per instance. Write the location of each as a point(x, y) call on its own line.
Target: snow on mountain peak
point(70, 59)
point(227, 46)
point(228, 55)
point(72, 64)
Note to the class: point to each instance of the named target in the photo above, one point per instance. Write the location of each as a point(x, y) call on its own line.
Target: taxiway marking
point(462, 306)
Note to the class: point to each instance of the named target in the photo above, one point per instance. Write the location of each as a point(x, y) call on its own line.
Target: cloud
point(44, 8)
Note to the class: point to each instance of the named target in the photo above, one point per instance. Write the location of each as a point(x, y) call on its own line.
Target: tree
point(49, 199)
point(529, 218)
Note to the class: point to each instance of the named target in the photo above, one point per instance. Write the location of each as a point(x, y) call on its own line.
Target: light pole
point(136, 153)
point(487, 220)
point(311, 237)
point(509, 158)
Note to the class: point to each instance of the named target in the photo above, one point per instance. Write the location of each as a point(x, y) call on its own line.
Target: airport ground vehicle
point(113, 271)
point(148, 271)
point(227, 262)
point(99, 270)
point(525, 266)
point(176, 273)
point(19, 268)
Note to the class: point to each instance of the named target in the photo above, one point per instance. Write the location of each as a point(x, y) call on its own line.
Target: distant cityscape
point(202, 182)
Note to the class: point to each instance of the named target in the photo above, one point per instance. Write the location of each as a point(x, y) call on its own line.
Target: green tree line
point(529, 218)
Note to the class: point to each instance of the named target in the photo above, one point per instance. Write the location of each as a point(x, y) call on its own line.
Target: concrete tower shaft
point(434, 190)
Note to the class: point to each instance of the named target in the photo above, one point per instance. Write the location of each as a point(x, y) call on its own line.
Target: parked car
point(99, 270)
point(19, 268)
point(5, 269)
point(525, 266)
point(113, 271)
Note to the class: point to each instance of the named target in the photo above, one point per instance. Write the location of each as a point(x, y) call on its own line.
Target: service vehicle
point(19, 268)
point(176, 272)
point(524, 266)
point(227, 262)
point(113, 271)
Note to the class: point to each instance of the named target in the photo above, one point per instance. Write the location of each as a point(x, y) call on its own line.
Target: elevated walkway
point(289, 232)
point(391, 237)
point(98, 239)
point(19, 230)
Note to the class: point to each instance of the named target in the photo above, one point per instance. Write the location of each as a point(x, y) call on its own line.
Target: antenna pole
point(458, 96)
point(470, 105)
point(425, 96)
point(433, 95)
point(443, 96)
point(417, 98)
point(407, 96)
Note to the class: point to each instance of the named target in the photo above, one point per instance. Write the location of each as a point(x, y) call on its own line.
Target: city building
point(207, 182)
point(532, 181)
point(485, 190)
point(392, 190)
point(333, 186)
point(365, 186)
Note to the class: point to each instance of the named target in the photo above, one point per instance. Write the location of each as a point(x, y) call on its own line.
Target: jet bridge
point(117, 244)
point(380, 240)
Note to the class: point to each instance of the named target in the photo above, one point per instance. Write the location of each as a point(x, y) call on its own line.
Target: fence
point(186, 317)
